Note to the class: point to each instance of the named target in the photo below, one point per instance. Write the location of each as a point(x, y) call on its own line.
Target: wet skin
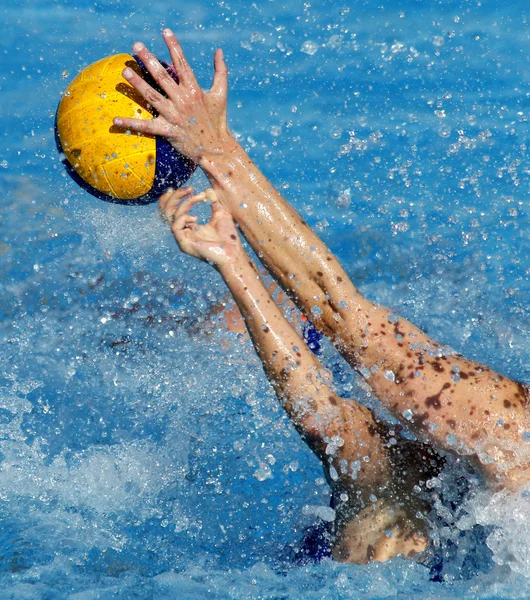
point(371, 476)
point(447, 400)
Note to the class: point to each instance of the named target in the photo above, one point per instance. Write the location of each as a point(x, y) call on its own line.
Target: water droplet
point(335, 41)
point(365, 372)
point(336, 132)
point(389, 375)
point(309, 47)
point(263, 473)
point(316, 311)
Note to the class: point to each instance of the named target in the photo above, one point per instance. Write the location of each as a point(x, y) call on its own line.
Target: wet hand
point(192, 120)
point(216, 242)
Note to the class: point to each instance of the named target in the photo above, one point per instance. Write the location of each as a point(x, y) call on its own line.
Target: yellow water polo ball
point(109, 162)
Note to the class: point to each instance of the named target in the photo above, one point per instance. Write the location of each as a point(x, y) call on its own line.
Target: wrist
point(219, 163)
point(240, 270)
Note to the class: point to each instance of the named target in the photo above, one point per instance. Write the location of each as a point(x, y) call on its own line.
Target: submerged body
point(448, 401)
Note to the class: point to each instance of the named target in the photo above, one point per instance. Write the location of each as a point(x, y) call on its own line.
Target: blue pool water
point(142, 452)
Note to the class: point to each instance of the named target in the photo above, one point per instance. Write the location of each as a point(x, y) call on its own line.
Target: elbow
point(320, 427)
point(312, 429)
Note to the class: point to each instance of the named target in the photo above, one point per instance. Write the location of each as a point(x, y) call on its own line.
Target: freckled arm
point(301, 383)
point(304, 266)
point(402, 362)
point(194, 122)
point(291, 251)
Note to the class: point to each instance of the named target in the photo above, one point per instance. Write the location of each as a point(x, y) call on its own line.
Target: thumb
point(220, 79)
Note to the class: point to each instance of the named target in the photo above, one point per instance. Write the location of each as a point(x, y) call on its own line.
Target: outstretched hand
point(216, 242)
point(192, 120)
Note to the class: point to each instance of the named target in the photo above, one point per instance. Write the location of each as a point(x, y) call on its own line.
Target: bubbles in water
point(264, 472)
point(335, 41)
point(309, 47)
point(322, 512)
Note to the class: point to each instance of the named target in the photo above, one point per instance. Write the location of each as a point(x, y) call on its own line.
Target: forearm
point(290, 366)
point(292, 252)
point(195, 123)
point(336, 429)
point(301, 383)
point(305, 267)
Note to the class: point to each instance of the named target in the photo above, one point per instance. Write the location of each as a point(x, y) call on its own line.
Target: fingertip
point(167, 32)
point(196, 198)
point(138, 46)
point(219, 57)
point(180, 192)
point(220, 73)
point(183, 192)
point(211, 195)
point(117, 121)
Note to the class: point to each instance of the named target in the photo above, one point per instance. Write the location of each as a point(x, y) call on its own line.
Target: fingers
point(155, 126)
point(168, 202)
point(210, 195)
point(183, 222)
point(220, 79)
point(146, 126)
point(173, 195)
point(215, 205)
point(174, 205)
point(151, 96)
point(186, 205)
point(183, 69)
point(157, 71)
